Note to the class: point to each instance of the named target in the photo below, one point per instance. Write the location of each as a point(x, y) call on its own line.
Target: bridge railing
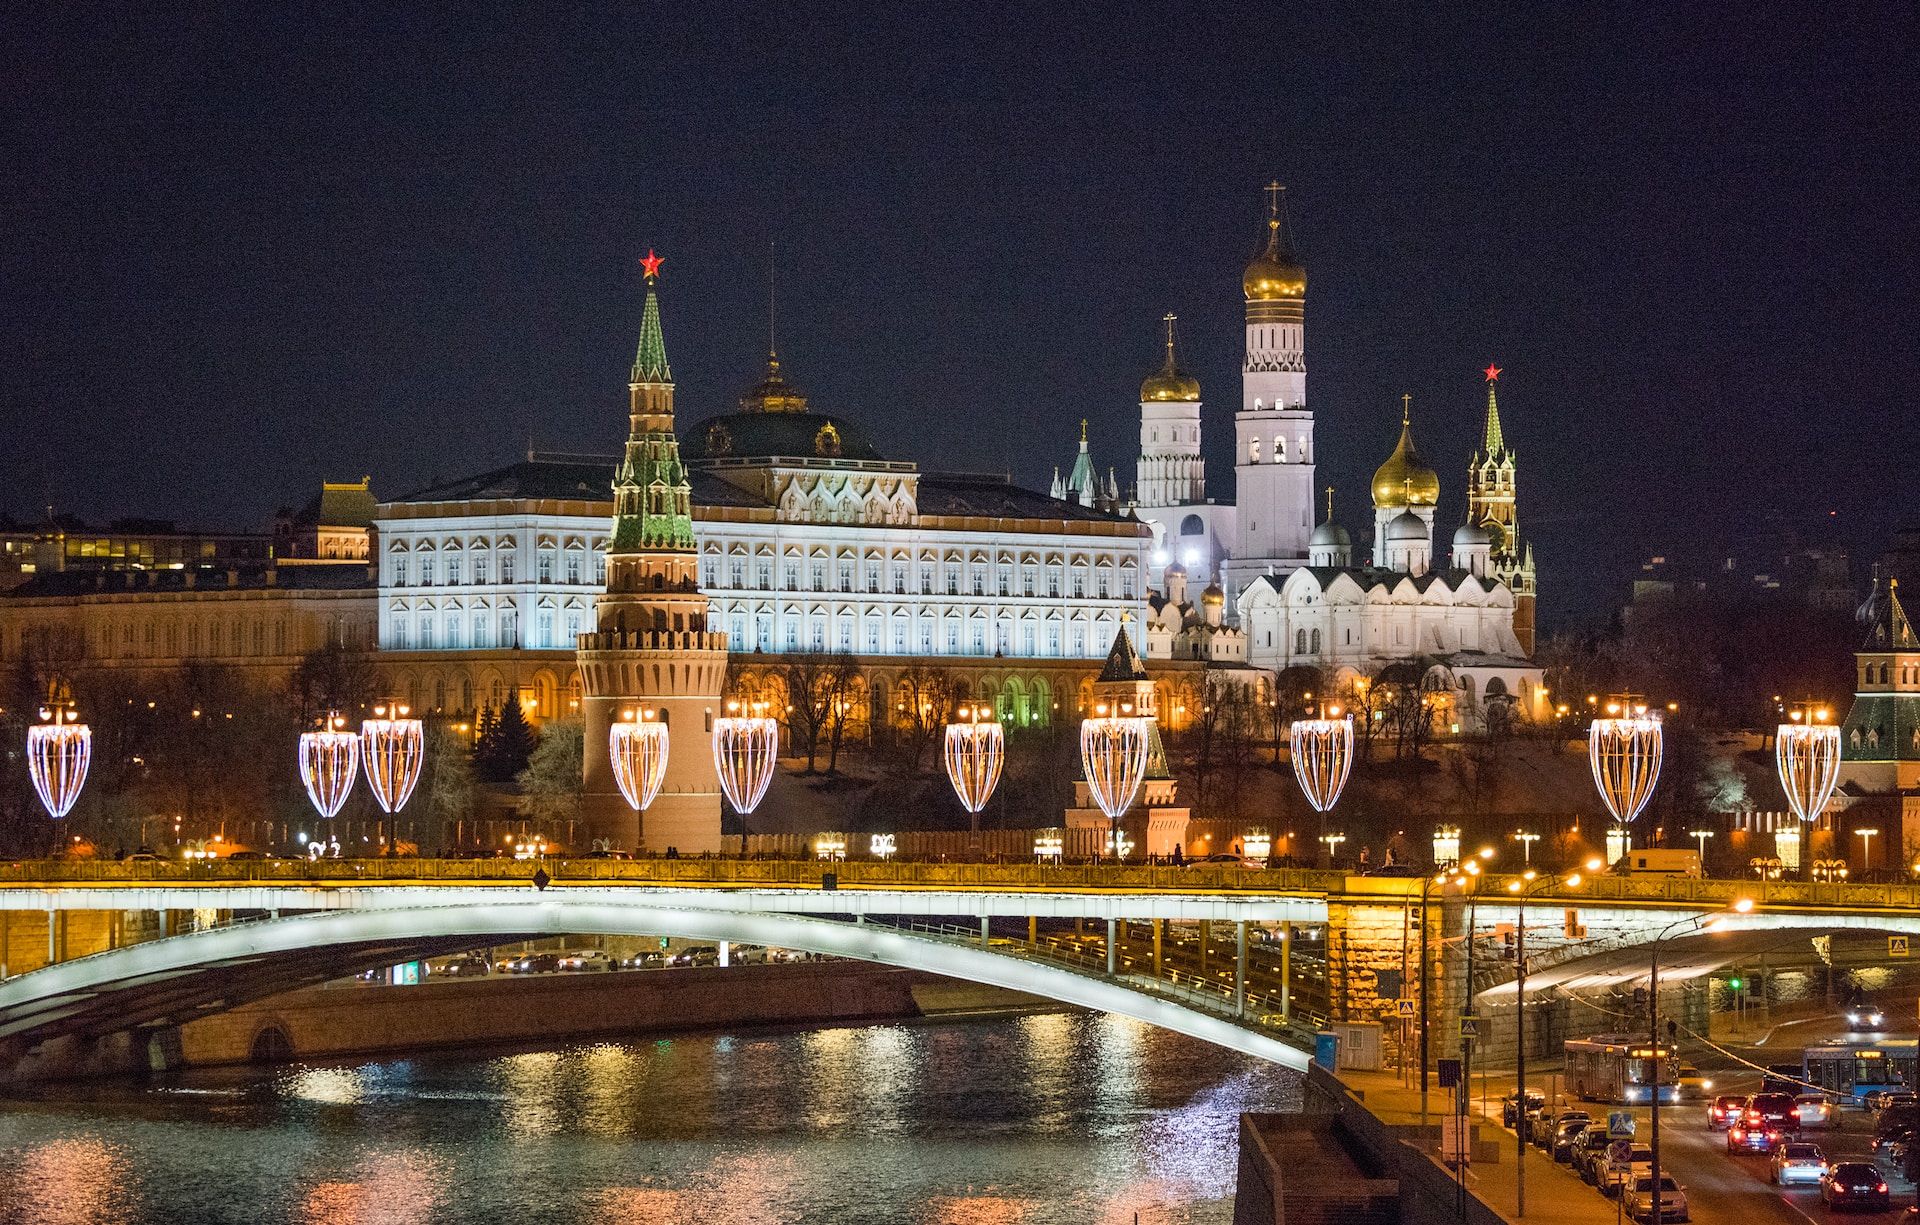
point(711, 872)
point(1712, 892)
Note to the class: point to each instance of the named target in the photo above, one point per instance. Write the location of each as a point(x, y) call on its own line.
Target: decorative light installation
point(830, 846)
point(638, 749)
point(329, 759)
point(975, 749)
point(744, 748)
point(1113, 751)
point(1624, 751)
point(1446, 845)
point(58, 752)
point(1256, 844)
point(1118, 844)
point(1049, 844)
point(1786, 849)
point(393, 747)
point(882, 846)
point(1806, 752)
point(1322, 755)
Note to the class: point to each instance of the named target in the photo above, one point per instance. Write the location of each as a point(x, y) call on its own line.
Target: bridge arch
point(174, 979)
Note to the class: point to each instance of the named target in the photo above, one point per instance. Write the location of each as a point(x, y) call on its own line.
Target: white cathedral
point(1296, 593)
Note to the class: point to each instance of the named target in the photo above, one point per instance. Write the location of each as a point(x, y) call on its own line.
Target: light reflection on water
point(1027, 1120)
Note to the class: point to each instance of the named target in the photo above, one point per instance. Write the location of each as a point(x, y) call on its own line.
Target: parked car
point(1638, 1202)
point(1693, 1084)
point(1619, 1171)
point(1887, 1099)
point(1546, 1126)
point(1893, 1118)
point(1772, 1111)
point(537, 963)
point(1566, 1136)
point(608, 855)
point(1590, 1155)
point(586, 959)
point(470, 965)
point(1855, 1184)
point(1724, 1111)
point(1511, 1114)
point(651, 960)
point(1815, 1110)
point(698, 955)
point(1797, 1163)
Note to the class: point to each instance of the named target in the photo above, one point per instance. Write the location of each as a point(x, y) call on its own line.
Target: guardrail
point(705, 872)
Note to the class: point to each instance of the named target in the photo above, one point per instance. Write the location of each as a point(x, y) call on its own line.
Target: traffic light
point(1734, 984)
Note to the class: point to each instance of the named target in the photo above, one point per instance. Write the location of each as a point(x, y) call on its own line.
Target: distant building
point(64, 543)
point(336, 525)
point(1880, 741)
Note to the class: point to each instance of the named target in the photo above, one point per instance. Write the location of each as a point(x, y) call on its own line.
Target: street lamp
point(1526, 841)
point(329, 759)
point(1706, 923)
point(975, 748)
point(1866, 837)
point(1333, 842)
point(1113, 752)
point(1624, 751)
point(638, 744)
point(1529, 883)
point(59, 749)
point(1806, 752)
point(744, 749)
point(393, 748)
point(1446, 845)
point(1702, 835)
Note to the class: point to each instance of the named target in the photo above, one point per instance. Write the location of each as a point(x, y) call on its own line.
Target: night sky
point(242, 255)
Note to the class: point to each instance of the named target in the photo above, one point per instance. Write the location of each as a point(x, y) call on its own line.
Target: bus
point(1855, 1069)
point(1621, 1068)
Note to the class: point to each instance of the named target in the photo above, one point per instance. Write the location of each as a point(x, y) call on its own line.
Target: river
point(1013, 1120)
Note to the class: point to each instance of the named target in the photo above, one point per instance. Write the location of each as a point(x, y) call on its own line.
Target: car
point(469, 965)
point(1887, 1099)
point(1855, 1184)
point(1744, 1139)
point(1511, 1112)
point(1637, 1162)
point(1905, 1115)
point(537, 963)
point(1589, 1155)
point(698, 955)
point(1724, 1111)
point(586, 959)
point(1566, 1135)
point(1546, 1126)
point(608, 855)
point(1693, 1084)
point(1783, 1078)
point(1638, 1201)
point(1797, 1163)
point(651, 960)
point(1772, 1111)
point(1866, 1020)
point(1815, 1110)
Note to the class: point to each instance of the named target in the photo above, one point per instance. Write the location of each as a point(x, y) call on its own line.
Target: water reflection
point(1028, 1120)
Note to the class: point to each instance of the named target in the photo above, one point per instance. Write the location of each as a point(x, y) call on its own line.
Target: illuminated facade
point(1880, 741)
point(1170, 482)
point(1493, 503)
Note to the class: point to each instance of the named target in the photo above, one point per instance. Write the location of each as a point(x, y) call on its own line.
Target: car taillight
point(1794, 1113)
point(1881, 1187)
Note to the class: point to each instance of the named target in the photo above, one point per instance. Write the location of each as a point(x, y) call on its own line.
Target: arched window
point(1253, 455)
point(1316, 642)
point(1192, 526)
point(1300, 642)
point(1279, 449)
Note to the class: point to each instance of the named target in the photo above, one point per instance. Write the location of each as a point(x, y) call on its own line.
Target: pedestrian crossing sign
point(1897, 946)
point(1409, 1008)
point(1469, 1027)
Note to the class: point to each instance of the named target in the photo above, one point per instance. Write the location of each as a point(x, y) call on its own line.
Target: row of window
point(954, 578)
point(1908, 675)
point(453, 571)
point(177, 638)
point(922, 636)
point(1302, 451)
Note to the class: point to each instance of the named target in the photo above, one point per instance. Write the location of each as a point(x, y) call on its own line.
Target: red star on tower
point(1492, 372)
point(652, 264)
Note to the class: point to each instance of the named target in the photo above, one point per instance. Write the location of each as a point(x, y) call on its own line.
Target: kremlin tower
point(1273, 431)
point(651, 648)
point(1491, 504)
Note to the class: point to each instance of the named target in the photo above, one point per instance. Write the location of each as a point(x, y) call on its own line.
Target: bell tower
point(650, 647)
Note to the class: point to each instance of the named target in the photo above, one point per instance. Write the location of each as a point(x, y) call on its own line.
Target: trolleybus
point(1855, 1069)
point(1621, 1068)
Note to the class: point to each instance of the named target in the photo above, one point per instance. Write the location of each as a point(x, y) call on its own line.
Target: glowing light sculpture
point(1049, 844)
point(1113, 751)
point(1257, 844)
point(329, 761)
point(976, 748)
point(392, 746)
point(1624, 751)
point(58, 753)
point(1446, 845)
point(1322, 756)
point(638, 750)
point(744, 748)
point(882, 846)
point(1807, 755)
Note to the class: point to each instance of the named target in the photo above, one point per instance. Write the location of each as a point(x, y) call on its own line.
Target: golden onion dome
point(1405, 479)
point(1273, 276)
point(1170, 383)
point(774, 393)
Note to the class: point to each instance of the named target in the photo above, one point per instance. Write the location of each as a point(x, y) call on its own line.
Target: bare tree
point(845, 692)
point(928, 696)
point(809, 698)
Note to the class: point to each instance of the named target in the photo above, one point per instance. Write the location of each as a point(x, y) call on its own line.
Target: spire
point(1083, 484)
point(1406, 409)
point(1329, 504)
point(1494, 443)
point(1169, 367)
point(650, 361)
point(1279, 232)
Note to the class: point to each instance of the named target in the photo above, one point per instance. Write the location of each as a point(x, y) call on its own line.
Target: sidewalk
point(1553, 1192)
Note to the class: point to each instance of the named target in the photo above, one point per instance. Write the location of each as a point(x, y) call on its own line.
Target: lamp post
point(1529, 883)
point(1471, 869)
point(1333, 842)
point(1702, 835)
point(1624, 751)
point(1806, 753)
point(1866, 837)
point(974, 750)
point(1706, 923)
point(1526, 841)
point(638, 745)
point(1113, 753)
point(59, 749)
point(744, 749)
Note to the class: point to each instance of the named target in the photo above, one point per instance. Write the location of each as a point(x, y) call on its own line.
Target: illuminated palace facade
point(807, 540)
point(1281, 592)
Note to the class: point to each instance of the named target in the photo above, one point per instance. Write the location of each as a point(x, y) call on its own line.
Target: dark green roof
point(756, 435)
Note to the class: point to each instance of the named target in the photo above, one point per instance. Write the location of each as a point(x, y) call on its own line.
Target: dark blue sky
point(246, 253)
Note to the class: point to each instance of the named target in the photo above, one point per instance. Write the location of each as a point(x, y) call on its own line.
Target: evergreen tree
point(507, 747)
point(483, 742)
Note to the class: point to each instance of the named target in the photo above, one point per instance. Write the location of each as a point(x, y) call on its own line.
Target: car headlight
point(1853, 1018)
point(1706, 1084)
